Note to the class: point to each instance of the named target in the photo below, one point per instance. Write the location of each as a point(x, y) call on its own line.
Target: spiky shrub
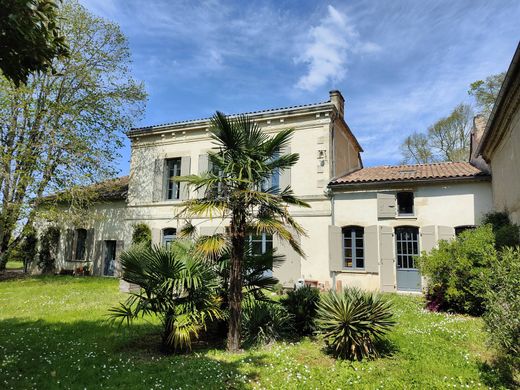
point(353, 321)
point(264, 322)
point(302, 305)
point(176, 286)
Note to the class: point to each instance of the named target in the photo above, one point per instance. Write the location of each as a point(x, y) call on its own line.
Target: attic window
point(405, 203)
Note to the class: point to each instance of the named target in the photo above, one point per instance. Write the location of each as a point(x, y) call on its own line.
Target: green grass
point(54, 334)
point(14, 265)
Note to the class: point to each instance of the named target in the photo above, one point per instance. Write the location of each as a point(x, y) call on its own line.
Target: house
point(364, 225)
point(500, 144)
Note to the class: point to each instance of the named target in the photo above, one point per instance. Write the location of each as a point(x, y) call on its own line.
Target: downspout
point(329, 190)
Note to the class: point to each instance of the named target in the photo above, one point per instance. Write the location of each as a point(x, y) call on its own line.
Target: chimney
point(336, 98)
point(479, 125)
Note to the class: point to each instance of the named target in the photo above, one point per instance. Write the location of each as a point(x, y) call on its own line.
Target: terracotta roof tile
point(419, 172)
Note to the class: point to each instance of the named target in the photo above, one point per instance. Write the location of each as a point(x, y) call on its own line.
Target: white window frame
point(173, 170)
point(352, 230)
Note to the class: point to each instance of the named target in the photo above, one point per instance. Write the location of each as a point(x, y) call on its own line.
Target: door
point(407, 250)
point(110, 258)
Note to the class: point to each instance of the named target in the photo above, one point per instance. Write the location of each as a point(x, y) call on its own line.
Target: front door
point(407, 250)
point(110, 258)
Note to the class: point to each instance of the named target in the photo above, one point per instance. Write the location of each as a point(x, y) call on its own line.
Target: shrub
point(502, 318)
point(302, 305)
point(456, 271)
point(50, 241)
point(353, 321)
point(176, 286)
point(264, 322)
point(141, 234)
point(506, 233)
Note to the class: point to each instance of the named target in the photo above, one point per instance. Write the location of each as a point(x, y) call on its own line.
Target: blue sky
point(399, 64)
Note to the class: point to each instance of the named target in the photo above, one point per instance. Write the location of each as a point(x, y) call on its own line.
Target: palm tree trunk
point(238, 231)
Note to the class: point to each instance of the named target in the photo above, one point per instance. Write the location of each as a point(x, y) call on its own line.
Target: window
point(460, 229)
point(407, 243)
point(261, 244)
point(173, 168)
point(273, 182)
point(405, 203)
point(81, 241)
point(353, 247)
point(169, 236)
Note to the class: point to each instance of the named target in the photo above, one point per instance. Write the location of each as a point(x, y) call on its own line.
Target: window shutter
point(158, 180)
point(69, 245)
point(386, 248)
point(336, 259)
point(120, 247)
point(428, 240)
point(74, 244)
point(99, 253)
point(156, 236)
point(89, 245)
point(371, 248)
point(385, 205)
point(285, 175)
point(203, 168)
point(185, 171)
point(289, 271)
point(446, 233)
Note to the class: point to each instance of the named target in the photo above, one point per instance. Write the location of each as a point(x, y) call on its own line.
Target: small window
point(460, 229)
point(405, 203)
point(81, 242)
point(169, 236)
point(261, 244)
point(173, 167)
point(353, 247)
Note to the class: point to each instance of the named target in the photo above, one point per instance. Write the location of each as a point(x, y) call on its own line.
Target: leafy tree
point(64, 129)
point(244, 161)
point(176, 285)
point(142, 234)
point(30, 38)
point(50, 241)
point(446, 140)
point(486, 92)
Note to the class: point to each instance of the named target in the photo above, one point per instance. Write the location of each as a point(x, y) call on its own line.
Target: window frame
point(398, 208)
point(264, 240)
point(167, 239)
point(410, 257)
point(354, 238)
point(170, 185)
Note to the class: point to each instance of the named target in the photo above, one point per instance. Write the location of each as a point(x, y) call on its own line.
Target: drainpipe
point(330, 192)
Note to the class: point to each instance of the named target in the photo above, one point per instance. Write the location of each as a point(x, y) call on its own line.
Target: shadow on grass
point(499, 373)
point(40, 354)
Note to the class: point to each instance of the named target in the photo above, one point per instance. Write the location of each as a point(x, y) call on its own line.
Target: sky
point(400, 65)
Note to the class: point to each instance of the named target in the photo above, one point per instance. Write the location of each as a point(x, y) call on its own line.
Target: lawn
point(54, 334)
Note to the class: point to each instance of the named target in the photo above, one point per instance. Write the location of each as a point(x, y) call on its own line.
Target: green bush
point(142, 234)
point(507, 234)
point(302, 305)
point(456, 271)
point(353, 321)
point(264, 322)
point(50, 241)
point(502, 317)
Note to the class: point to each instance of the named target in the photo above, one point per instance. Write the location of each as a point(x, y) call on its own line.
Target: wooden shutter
point(386, 249)
point(68, 245)
point(120, 247)
point(446, 233)
point(156, 236)
point(371, 248)
point(285, 175)
point(336, 258)
point(74, 244)
point(99, 254)
point(185, 170)
point(428, 239)
point(289, 271)
point(203, 168)
point(159, 185)
point(385, 205)
point(89, 245)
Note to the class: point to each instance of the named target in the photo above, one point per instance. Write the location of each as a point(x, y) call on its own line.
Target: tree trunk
point(238, 231)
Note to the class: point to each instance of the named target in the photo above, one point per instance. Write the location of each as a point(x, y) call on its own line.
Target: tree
point(64, 129)
point(30, 38)
point(486, 92)
point(237, 190)
point(446, 140)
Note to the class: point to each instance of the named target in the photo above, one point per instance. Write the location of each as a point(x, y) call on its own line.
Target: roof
point(504, 103)
point(204, 121)
point(411, 173)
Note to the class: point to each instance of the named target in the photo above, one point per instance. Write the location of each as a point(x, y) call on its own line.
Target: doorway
point(110, 258)
point(407, 251)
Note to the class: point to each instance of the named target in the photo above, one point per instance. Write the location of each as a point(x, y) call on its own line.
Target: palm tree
point(175, 285)
point(244, 160)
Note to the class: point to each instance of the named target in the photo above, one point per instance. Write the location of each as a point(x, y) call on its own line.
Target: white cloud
point(327, 49)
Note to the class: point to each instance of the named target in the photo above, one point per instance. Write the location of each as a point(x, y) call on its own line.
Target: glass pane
point(256, 248)
point(348, 252)
point(348, 262)
point(360, 263)
point(359, 252)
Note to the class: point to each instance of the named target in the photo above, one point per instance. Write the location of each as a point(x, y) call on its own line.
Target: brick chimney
point(479, 125)
point(337, 99)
